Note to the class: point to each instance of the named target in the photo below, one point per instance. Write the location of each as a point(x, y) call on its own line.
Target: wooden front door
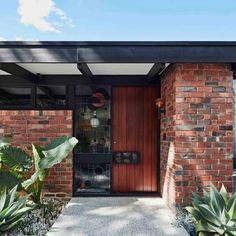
point(135, 129)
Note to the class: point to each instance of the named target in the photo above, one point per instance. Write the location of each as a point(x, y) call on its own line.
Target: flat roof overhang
point(117, 52)
point(102, 62)
point(54, 69)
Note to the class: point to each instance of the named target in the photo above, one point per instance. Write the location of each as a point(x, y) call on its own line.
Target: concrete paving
point(116, 216)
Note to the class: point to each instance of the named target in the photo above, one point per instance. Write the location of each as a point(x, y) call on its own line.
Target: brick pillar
point(42, 127)
point(196, 130)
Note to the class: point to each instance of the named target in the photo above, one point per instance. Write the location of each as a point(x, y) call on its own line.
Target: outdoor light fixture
point(160, 106)
point(94, 120)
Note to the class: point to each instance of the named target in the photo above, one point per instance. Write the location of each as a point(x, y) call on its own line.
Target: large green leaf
point(224, 194)
point(230, 233)
point(14, 210)
point(194, 212)
point(209, 215)
point(55, 143)
point(12, 194)
point(231, 206)
point(206, 198)
point(15, 158)
point(38, 156)
point(3, 197)
point(16, 206)
point(7, 180)
point(217, 201)
point(203, 226)
point(19, 213)
point(58, 152)
point(197, 199)
point(25, 184)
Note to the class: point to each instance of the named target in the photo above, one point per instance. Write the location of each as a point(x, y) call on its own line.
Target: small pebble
point(38, 221)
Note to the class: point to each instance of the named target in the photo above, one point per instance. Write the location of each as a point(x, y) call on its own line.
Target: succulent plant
point(215, 212)
point(12, 209)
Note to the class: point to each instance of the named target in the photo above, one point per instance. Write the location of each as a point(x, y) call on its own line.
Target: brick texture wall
point(196, 130)
point(41, 127)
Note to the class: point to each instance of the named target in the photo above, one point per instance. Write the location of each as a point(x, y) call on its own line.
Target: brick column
point(197, 130)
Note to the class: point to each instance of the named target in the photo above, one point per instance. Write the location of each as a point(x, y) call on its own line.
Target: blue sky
point(118, 20)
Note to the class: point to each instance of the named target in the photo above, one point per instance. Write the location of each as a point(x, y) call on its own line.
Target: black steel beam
point(112, 52)
point(84, 69)
point(97, 80)
point(10, 81)
point(154, 71)
point(18, 71)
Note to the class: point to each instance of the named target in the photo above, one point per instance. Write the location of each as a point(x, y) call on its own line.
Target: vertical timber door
point(135, 129)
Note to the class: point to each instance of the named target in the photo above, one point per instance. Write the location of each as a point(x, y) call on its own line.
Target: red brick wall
point(197, 136)
point(167, 137)
point(41, 127)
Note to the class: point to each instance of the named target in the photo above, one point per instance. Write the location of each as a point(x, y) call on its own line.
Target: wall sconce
point(160, 104)
point(94, 120)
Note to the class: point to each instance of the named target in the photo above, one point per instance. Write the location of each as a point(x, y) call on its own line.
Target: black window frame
point(70, 99)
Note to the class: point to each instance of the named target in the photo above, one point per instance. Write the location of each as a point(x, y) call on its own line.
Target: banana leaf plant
point(14, 164)
point(215, 212)
point(43, 157)
point(12, 209)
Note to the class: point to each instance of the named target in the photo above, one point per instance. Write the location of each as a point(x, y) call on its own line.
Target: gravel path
point(116, 216)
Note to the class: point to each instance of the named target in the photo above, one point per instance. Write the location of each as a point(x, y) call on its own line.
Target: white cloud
point(20, 38)
point(36, 13)
point(63, 16)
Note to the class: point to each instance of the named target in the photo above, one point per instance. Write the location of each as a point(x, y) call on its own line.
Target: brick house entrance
point(185, 148)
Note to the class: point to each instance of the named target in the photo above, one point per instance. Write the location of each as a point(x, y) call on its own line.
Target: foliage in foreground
point(215, 212)
point(12, 209)
point(14, 164)
point(17, 164)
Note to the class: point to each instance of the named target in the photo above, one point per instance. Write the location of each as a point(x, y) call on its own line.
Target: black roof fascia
point(118, 52)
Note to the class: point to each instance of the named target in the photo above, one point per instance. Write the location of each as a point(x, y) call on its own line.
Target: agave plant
point(12, 209)
point(215, 212)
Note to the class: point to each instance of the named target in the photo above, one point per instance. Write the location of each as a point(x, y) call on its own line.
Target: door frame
point(158, 192)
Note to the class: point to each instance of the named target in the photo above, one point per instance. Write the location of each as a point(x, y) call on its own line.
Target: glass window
point(51, 97)
point(93, 120)
point(15, 97)
point(92, 123)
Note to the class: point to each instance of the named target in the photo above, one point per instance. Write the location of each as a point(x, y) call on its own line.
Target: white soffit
point(51, 68)
point(120, 68)
point(2, 72)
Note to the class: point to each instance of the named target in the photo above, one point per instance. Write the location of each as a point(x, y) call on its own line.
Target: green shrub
point(215, 212)
point(12, 209)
